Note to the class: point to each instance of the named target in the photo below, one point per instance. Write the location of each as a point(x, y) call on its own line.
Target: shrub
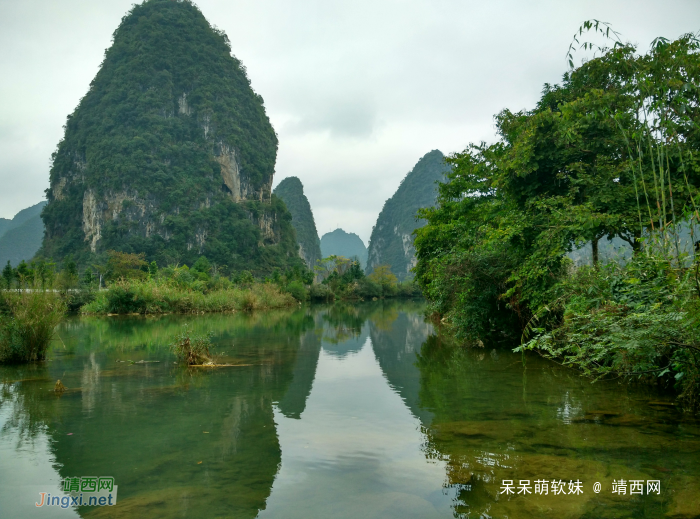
point(638, 320)
point(368, 289)
point(298, 291)
point(27, 324)
point(318, 292)
point(385, 278)
point(165, 296)
point(192, 350)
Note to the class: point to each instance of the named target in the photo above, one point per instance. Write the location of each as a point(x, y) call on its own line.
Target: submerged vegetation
point(611, 152)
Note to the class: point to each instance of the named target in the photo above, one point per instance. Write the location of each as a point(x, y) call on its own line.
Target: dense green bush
point(27, 324)
point(612, 152)
point(298, 291)
point(159, 296)
point(640, 320)
point(321, 293)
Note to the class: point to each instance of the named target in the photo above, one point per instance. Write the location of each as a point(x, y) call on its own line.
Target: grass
point(154, 297)
point(27, 324)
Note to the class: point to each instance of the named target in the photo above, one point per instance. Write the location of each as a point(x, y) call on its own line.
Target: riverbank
point(153, 297)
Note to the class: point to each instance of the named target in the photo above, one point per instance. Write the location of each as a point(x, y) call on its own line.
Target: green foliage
point(639, 320)
point(398, 219)
point(124, 265)
point(152, 269)
point(27, 324)
point(182, 293)
point(8, 275)
point(192, 350)
point(291, 192)
point(567, 172)
point(202, 266)
point(385, 278)
point(341, 278)
point(298, 291)
point(612, 152)
point(321, 293)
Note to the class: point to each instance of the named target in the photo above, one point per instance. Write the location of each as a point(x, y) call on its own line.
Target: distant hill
point(291, 191)
point(4, 225)
point(341, 243)
point(20, 238)
point(391, 242)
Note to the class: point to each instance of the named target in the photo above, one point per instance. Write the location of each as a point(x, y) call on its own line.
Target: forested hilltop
point(610, 153)
point(291, 192)
point(170, 153)
point(392, 237)
point(346, 244)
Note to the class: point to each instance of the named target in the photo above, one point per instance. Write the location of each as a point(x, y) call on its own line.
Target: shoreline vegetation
point(611, 153)
point(35, 297)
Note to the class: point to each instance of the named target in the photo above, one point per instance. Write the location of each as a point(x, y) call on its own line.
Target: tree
point(202, 265)
point(124, 265)
point(8, 275)
point(153, 269)
point(612, 151)
point(23, 273)
point(384, 277)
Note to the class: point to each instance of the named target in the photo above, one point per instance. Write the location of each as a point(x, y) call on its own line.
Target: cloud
point(357, 91)
point(347, 117)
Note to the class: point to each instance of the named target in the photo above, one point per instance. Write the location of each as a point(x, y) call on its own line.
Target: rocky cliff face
point(169, 153)
point(291, 191)
point(391, 242)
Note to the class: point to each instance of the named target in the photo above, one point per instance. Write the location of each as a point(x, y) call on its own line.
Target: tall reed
point(27, 324)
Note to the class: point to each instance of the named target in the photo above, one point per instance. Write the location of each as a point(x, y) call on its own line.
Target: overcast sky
point(357, 90)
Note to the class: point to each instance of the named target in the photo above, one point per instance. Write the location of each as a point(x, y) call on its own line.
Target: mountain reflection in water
point(347, 410)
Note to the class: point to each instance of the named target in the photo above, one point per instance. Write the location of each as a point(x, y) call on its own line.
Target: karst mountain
point(391, 242)
point(291, 192)
point(169, 153)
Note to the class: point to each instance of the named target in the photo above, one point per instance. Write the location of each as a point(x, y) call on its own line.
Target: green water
point(334, 411)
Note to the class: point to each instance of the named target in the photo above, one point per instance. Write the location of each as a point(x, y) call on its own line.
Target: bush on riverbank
point(638, 320)
point(27, 323)
point(345, 279)
point(611, 153)
point(158, 297)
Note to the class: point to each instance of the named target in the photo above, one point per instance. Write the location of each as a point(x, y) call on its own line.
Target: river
point(337, 411)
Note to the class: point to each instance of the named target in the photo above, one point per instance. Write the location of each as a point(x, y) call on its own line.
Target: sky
point(357, 91)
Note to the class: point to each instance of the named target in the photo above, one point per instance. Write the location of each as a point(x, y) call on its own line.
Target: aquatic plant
point(192, 350)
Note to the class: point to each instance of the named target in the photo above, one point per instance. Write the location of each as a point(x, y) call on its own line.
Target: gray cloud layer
point(357, 91)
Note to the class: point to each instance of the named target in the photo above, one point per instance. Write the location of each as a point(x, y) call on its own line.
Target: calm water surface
point(348, 411)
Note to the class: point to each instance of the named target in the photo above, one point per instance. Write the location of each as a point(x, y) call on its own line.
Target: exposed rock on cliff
point(169, 153)
point(346, 244)
point(391, 242)
point(291, 191)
